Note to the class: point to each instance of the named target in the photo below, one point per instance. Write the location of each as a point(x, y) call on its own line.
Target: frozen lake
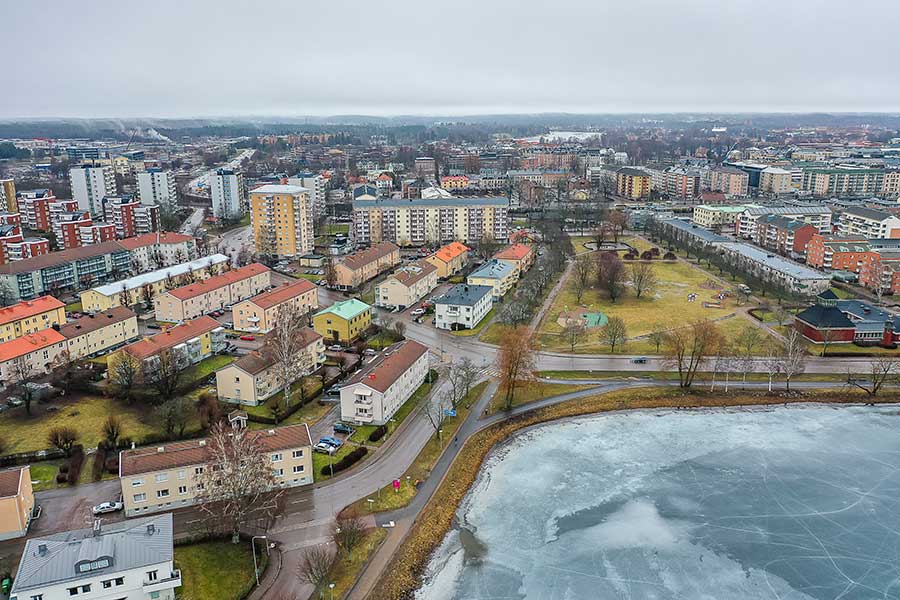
point(788, 503)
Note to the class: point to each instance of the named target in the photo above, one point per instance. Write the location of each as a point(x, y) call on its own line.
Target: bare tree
point(617, 222)
point(238, 482)
point(745, 347)
point(829, 336)
point(284, 345)
point(582, 271)
point(435, 408)
point(657, 335)
point(112, 430)
point(643, 278)
point(174, 415)
point(123, 374)
point(329, 272)
point(461, 375)
point(167, 376)
point(22, 373)
point(793, 357)
point(314, 567)
point(610, 274)
point(772, 362)
point(63, 438)
point(614, 333)
point(685, 349)
point(515, 361)
point(349, 534)
point(573, 333)
point(882, 370)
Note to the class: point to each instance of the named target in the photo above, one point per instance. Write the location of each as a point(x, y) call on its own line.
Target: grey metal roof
point(464, 295)
point(494, 268)
point(775, 262)
point(868, 213)
point(131, 544)
point(789, 210)
point(501, 201)
point(695, 230)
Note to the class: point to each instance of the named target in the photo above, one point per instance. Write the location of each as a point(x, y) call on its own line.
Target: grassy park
point(215, 570)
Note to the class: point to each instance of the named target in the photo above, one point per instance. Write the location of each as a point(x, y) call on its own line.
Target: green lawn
point(312, 385)
point(477, 329)
point(361, 435)
point(531, 391)
point(74, 307)
point(345, 570)
point(335, 228)
point(313, 278)
point(215, 570)
point(43, 475)
point(701, 377)
point(323, 460)
point(206, 367)
point(86, 414)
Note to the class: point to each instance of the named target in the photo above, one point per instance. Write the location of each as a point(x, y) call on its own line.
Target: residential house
point(407, 285)
point(499, 275)
point(16, 502)
point(254, 378)
point(167, 476)
point(361, 266)
point(384, 384)
point(260, 313)
point(98, 333)
point(30, 316)
point(463, 306)
point(129, 559)
point(186, 344)
point(520, 256)
point(343, 321)
point(449, 259)
point(34, 354)
point(216, 293)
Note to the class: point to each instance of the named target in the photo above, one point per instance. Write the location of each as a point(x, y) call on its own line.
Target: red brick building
point(837, 321)
point(837, 253)
point(783, 235)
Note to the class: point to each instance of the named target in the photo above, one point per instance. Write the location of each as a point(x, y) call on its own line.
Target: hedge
point(348, 461)
point(377, 433)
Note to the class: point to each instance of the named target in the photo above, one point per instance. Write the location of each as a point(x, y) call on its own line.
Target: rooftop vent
point(202, 443)
point(42, 549)
point(151, 529)
point(161, 449)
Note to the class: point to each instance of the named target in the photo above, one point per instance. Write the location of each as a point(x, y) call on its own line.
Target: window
point(198, 470)
point(182, 489)
point(298, 468)
point(181, 474)
point(152, 575)
point(37, 597)
point(297, 454)
point(162, 493)
point(278, 472)
point(137, 482)
point(160, 477)
point(140, 497)
point(276, 457)
point(73, 591)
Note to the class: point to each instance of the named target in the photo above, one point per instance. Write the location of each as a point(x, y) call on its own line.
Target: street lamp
point(253, 550)
point(331, 590)
point(441, 438)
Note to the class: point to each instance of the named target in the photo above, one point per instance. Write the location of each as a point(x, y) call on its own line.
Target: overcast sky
point(95, 58)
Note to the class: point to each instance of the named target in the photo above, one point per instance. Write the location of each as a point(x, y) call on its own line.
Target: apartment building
point(39, 353)
point(254, 378)
point(454, 182)
point(783, 235)
point(430, 221)
point(499, 275)
point(156, 250)
point(129, 216)
point(837, 253)
point(215, 293)
point(632, 183)
point(98, 333)
point(8, 196)
point(425, 167)
point(384, 383)
point(407, 285)
point(520, 256)
point(880, 271)
point(817, 215)
point(260, 313)
point(166, 477)
point(774, 180)
point(842, 181)
point(16, 502)
point(146, 287)
point(90, 185)
point(449, 259)
point(226, 188)
point(767, 266)
point(343, 321)
point(27, 247)
point(67, 226)
point(318, 190)
point(34, 206)
point(718, 217)
point(281, 217)
point(157, 187)
point(891, 187)
point(869, 223)
point(361, 266)
point(186, 344)
point(681, 182)
point(109, 561)
point(463, 306)
point(30, 316)
point(730, 181)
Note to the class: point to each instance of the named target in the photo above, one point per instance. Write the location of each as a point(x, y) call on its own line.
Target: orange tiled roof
point(171, 337)
point(28, 308)
point(149, 239)
point(213, 283)
point(282, 293)
point(29, 343)
point(514, 252)
point(451, 251)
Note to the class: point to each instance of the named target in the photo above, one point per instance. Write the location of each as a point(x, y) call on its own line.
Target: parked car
point(231, 336)
point(343, 428)
point(324, 448)
point(370, 352)
point(335, 348)
point(228, 325)
point(417, 312)
point(639, 360)
point(248, 338)
point(334, 390)
point(107, 507)
point(154, 326)
point(332, 441)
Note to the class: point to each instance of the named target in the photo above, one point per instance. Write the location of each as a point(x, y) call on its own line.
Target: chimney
point(42, 549)
point(97, 528)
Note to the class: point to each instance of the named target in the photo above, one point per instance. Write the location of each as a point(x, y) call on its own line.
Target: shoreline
point(409, 563)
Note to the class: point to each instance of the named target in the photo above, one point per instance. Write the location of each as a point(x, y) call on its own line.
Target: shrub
point(669, 256)
point(75, 464)
point(629, 256)
point(646, 255)
point(654, 251)
point(99, 464)
point(348, 461)
point(64, 468)
point(377, 433)
point(112, 465)
point(61, 477)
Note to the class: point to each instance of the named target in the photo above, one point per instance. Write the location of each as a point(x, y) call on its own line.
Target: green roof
point(346, 309)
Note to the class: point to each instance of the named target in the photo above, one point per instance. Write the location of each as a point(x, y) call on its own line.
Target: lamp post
point(441, 438)
point(253, 550)
point(331, 590)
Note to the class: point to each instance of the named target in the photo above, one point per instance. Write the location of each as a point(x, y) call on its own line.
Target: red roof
point(283, 293)
point(149, 239)
point(384, 370)
point(451, 251)
point(29, 308)
point(213, 283)
point(171, 337)
point(514, 252)
point(29, 343)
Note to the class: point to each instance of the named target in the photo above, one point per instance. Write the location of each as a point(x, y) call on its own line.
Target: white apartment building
point(463, 306)
point(868, 223)
point(773, 180)
point(156, 186)
point(817, 215)
point(90, 185)
point(384, 384)
point(226, 187)
point(114, 561)
point(318, 190)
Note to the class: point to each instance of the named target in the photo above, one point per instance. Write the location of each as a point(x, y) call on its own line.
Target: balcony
point(171, 582)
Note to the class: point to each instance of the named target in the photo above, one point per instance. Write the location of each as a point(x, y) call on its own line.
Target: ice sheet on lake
point(790, 503)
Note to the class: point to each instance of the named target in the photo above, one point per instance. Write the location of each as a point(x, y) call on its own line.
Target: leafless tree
point(147, 294)
point(657, 335)
point(284, 345)
point(643, 278)
point(64, 438)
point(573, 333)
point(123, 374)
point(329, 272)
point(314, 567)
point(167, 376)
point(112, 430)
point(349, 534)
point(745, 347)
point(515, 361)
point(772, 362)
point(617, 222)
point(882, 370)
point(461, 375)
point(582, 271)
point(174, 415)
point(793, 356)
point(610, 274)
point(614, 333)
point(685, 349)
point(724, 361)
point(829, 336)
point(238, 481)
point(22, 373)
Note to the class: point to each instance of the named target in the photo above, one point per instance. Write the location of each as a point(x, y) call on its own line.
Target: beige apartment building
point(718, 217)
point(363, 265)
point(16, 502)
point(30, 316)
point(450, 259)
point(167, 477)
point(215, 293)
point(260, 313)
point(729, 180)
point(773, 180)
point(41, 352)
point(98, 333)
point(407, 285)
point(282, 220)
point(254, 378)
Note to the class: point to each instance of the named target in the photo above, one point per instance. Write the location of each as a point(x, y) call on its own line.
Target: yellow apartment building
point(450, 259)
point(215, 293)
point(30, 316)
point(363, 265)
point(16, 502)
point(282, 220)
point(343, 321)
point(260, 313)
point(98, 333)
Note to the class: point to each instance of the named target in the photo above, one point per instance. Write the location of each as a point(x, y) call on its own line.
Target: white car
point(107, 507)
point(335, 348)
point(417, 312)
point(324, 448)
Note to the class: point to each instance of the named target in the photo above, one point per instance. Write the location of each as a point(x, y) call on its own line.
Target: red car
point(248, 338)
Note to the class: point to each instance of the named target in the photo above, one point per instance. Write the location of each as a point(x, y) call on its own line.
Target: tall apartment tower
point(90, 185)
point(226, 187)
point(282, 220)
point(318, 190)
point(8, 196)
point(156, 186)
